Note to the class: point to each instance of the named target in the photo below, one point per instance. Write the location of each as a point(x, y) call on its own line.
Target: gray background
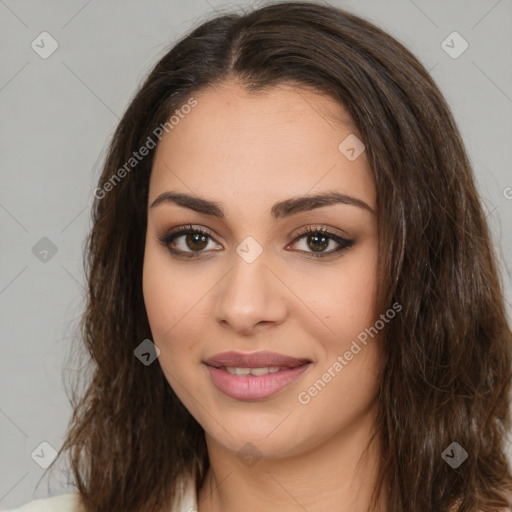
point(57, 115)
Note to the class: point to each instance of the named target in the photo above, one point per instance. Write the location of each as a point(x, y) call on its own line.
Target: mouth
point(254, 376)
point(257, 372)
point(255, 360)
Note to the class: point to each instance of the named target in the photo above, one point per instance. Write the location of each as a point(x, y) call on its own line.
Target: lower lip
point(252, 387)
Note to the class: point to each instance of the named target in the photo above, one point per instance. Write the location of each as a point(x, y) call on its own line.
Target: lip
point(251, 387)
point(254, 360)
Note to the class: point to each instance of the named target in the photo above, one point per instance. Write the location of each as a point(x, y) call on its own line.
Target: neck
point(334, 474)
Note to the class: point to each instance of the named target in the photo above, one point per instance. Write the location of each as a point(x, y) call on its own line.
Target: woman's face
point(244, 166)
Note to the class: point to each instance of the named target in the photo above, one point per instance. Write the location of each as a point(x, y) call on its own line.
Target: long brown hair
point(448, 364)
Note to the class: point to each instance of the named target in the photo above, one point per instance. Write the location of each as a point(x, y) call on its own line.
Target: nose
point(250, 297)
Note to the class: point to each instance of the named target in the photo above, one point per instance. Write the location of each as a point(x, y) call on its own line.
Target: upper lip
point(254, 360)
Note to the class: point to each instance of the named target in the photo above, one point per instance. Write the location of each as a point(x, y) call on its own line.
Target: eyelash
point(168, 238)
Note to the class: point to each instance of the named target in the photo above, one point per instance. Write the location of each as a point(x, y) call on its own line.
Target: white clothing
point(69, 502)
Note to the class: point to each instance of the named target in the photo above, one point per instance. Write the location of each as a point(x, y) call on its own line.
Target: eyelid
point(323, 228)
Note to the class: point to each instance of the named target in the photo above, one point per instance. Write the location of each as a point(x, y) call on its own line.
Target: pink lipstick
point(254, 376)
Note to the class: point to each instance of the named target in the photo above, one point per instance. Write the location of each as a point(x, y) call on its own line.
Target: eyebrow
point(280, 210)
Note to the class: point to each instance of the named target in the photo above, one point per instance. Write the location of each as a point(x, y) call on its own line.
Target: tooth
point(252, 371)
point(259, 371)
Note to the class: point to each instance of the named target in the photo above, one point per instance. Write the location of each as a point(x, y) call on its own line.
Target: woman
point(293, 297)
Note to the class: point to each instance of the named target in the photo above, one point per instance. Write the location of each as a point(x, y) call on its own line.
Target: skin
point(248, 151)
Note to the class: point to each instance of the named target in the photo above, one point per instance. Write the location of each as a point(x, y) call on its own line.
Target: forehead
point(283, 141)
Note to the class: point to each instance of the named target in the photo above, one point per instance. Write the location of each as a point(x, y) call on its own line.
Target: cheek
point(159, 297)
point(165, 296)
point(357, 298)
point(344, 299)
point(172, 306)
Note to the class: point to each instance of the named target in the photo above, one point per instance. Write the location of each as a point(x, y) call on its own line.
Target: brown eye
point(317, 241)
point(196, 241)
point(187, 241)
point(192, 242)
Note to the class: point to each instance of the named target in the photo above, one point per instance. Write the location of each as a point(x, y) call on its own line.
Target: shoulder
point(70, 502)
point(61, 503)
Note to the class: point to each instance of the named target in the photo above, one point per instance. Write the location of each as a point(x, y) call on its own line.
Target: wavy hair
point(448, 363)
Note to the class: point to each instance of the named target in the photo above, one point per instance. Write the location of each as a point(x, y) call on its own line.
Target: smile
point(253, 382)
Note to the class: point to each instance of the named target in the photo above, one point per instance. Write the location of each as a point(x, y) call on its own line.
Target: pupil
point(316, 241)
